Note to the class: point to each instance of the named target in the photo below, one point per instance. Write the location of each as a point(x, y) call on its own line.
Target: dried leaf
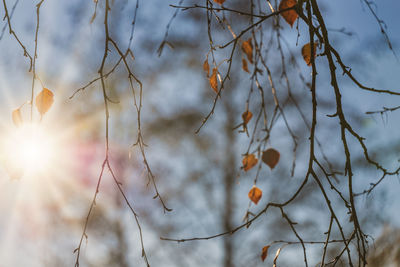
point(214, 81)
point(306, 52)
point(93, 17)
point(247, 48)
point(276, 256)
point(44, 100)
point(206, 67)
point(270, 157)
point(16, 117)
point(246, 116)
point(219, 1)
point(249, 161)
point(255, 194)
point(351, 219)
point(264, 253)
point(244, 65)
point(291, 15)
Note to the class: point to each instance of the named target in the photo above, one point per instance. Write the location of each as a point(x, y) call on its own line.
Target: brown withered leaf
point(214, 80)
point(206, 67)
point(264, 253)
point(270, 157)
point(244, 65)
point(276, 256)
point(44, 100)
point(249, 161)
point(306, 52)
point(246, 116)
point(16, 117)
point(291, 15)
point(247, 48)
point(219, 1)
point(255, 194)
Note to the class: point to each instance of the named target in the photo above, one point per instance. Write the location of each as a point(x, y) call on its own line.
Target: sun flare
point(28, 149)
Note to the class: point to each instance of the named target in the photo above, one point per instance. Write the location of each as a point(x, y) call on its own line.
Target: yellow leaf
point(291, 15)
point(247, 48)
point(219, 1)
point(16, 117)
point(255, 194)
point(214, 81)
point(264, 253)
point(244, 65)
point(206, 67)
point(306, 52)
point(249, 161)
point(270, 157)
point(246, 116)
point(44, 100)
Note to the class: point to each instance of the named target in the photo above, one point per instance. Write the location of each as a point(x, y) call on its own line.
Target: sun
point(28, 149)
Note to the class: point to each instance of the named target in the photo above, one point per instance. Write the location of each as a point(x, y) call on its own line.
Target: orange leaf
point(219, 1)
point(291, 15)
point(255, 194)
point(244, 65)
point(16, 117)
point(206, 67)
point(246, 116)
point(264, 253)
point(270, 157)
point(249, 161)
point(306, 52)
point(214, 81)
point(247, 48)
point(44, 100)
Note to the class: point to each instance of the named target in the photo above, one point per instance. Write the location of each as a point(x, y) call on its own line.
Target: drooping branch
point(12, 32)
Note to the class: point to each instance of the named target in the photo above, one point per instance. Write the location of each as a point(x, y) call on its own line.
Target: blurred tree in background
point(386, 250)
point(183, 80)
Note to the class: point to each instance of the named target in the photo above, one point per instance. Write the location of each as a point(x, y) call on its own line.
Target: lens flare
point(28, 149)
